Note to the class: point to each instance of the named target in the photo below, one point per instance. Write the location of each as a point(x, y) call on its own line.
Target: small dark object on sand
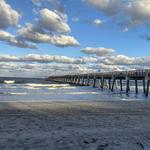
point(86, 142)
point(101, 147)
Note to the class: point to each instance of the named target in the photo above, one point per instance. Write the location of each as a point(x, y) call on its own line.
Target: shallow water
point(41, 90)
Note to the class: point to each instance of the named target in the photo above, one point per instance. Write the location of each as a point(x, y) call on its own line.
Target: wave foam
point(18, 93)
point(46, 85)
point(9, 81)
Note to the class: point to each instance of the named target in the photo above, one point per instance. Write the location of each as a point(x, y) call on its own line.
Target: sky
point(39, 38)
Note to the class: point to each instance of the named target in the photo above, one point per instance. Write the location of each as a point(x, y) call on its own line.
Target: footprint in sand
point(102, 147)
point(140, 145)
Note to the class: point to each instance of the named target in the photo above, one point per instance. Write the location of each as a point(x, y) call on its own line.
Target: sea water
point(40, 90)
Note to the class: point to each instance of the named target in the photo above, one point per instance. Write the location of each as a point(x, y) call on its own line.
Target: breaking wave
point(9, 81)
point(47, 85)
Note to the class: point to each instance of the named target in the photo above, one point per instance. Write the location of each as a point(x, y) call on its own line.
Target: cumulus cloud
point(53, 21)
point(89, 59)
point(119, 60)
point(40, 70)
point(127, 13)
point(50, 28)
point(35, 58)
point(8, 16)
point(42, 59)
point(64, 41)
point(138, 11)
point(50, 58)
point(109, 7)
point(126, 60)
point(99, 51)
point(12, 40)
point(28, 33)
point(104, 67)
point(39, 65)
point(5, 36)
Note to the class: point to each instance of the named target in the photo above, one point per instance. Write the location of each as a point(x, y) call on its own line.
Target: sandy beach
point(117, 125)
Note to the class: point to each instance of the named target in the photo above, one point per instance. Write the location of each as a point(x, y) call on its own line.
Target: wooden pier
point(109, 80)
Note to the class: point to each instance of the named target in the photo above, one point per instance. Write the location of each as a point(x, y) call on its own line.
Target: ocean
point(40, 90)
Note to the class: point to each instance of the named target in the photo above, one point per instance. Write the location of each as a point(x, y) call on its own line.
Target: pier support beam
point(78, 81)
point(144, 90)
point(147, 89)
point(82, 83)
point(127, 85)
point(109, 84)
point(121, 88)
point(74, 80)
point(102, 82)
point(136, 86)
point(147, 78)
point(94, 82)
point(88, 81)
point(113, 83)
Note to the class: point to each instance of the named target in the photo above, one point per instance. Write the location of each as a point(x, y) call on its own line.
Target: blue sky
point(95, 27)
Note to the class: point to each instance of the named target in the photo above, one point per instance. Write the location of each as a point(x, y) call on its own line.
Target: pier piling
point(110, 79)
point(94, 82)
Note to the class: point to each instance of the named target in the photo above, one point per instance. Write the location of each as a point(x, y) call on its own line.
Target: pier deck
point(109, 79)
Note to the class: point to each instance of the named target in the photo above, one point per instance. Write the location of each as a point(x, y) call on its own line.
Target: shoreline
point(110, 125)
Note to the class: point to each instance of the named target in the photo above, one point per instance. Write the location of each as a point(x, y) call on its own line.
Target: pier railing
point(109, 80)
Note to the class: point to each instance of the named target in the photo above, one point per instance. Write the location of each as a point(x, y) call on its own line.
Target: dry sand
point(75, 126)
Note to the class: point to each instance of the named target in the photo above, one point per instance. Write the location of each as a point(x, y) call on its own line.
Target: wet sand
point(75, 125)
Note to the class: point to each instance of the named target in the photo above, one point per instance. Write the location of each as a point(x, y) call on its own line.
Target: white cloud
point(64, 41)
point(99, 51)
point(8, 16)
point(119, 60)
point(138, 11)
point(35, 58)
point(54, 22)
point(42, 70)
point(41, 59)
point(5, 36)
point(28, 33)
point(109, 7)
point(49, 29)
point(12, 40)
point(107, 68)
point(46, 65)
point(126, 60)
point(127, 13)
point(89, 59)
point(98, 22)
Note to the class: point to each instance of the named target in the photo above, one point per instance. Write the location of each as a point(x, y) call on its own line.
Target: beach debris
point(102, 146)
point(86, 142)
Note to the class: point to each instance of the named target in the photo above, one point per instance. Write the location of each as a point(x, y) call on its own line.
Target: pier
point(109, 80)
